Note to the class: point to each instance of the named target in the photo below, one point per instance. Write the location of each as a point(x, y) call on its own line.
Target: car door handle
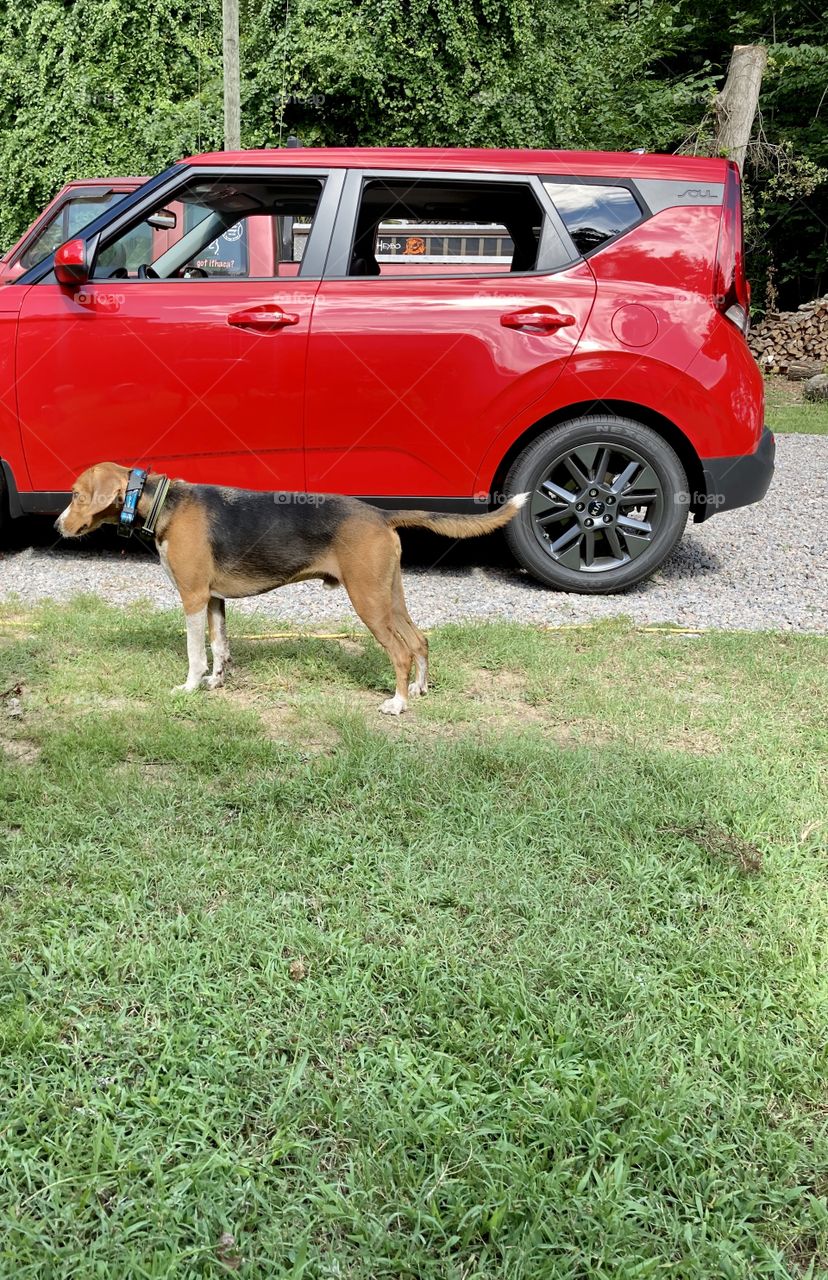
point(537, 320)
point(268, 318)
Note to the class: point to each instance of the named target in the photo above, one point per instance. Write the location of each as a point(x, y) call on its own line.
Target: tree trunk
point(232, 102)
point(736, 104)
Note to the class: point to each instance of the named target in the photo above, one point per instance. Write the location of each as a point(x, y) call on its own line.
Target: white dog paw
point(394, 706)
point(416, 690)
point(215, 682)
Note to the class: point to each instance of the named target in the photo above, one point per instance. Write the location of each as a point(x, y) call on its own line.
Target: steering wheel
point(146, 272)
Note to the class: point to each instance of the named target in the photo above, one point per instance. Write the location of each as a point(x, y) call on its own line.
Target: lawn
point(788, 414)
point(530, 983)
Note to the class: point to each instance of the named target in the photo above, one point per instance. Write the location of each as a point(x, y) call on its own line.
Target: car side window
point(228, 227)
point(408, 227)
point(66, 221)
point(592, 213)
point(129, 251)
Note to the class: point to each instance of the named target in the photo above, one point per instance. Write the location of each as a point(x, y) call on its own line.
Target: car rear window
point(592, 213)
point(430, 226)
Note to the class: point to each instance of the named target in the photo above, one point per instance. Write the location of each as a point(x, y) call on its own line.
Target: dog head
point(97, 498)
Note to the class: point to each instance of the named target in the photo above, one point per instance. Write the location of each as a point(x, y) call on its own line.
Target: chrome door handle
point(268, 318)
point(537, 320)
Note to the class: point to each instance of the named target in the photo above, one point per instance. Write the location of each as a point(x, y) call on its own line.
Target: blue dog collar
point(134, 489)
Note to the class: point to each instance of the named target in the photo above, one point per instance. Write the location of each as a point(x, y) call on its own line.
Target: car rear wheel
point(609, 502)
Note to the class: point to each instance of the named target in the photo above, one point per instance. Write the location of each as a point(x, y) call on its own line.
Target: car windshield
point(68, 219)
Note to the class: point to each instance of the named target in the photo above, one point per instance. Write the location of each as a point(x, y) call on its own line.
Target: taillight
point(731, 291)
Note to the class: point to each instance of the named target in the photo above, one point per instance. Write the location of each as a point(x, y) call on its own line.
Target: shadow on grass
point(360, 661)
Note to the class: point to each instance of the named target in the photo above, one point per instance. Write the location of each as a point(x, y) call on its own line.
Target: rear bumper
point(736, 482)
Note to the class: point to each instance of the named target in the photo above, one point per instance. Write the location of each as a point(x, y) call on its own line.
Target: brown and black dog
point(218, 544)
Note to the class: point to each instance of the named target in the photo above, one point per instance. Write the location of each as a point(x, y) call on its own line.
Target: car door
point(421, 359)
point(200, 372)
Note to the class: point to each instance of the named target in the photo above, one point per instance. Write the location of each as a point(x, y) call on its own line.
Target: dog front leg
point(196, 650)
point(219, 645)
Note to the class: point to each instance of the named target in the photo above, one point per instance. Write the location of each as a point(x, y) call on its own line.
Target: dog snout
point(65, 529)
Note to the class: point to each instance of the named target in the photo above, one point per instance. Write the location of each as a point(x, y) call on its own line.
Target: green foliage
point(100, 87)
point(473, 73)
point(96, 87)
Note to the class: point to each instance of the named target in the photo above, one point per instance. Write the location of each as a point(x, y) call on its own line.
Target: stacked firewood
point(793, 342)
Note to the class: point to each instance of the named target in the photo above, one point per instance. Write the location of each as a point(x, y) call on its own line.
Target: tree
point(787, 163)
point(736, 104)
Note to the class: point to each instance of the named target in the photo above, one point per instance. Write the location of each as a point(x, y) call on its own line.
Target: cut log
point(796, 338)
point(801, 372)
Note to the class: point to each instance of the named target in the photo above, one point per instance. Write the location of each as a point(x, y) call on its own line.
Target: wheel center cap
point(596, 508)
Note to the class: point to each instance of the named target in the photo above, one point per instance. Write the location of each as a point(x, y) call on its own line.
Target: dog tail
point(457, 526)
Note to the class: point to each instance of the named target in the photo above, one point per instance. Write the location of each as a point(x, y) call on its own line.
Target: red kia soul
point(429, 328)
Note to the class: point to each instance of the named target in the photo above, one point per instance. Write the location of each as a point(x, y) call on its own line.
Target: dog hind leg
point(369, 579)
point(412, 635)
point(379, 621)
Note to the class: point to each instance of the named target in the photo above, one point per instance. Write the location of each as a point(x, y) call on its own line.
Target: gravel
point(760, 568)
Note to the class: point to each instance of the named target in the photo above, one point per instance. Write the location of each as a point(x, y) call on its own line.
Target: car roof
point(101, 182)
point(587, 163)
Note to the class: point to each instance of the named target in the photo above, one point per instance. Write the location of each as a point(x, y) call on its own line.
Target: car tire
point(608, 503)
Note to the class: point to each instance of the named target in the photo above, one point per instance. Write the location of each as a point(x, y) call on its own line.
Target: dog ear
point(107, 489)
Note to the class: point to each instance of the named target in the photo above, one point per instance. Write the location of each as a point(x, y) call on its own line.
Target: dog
point(219, 544)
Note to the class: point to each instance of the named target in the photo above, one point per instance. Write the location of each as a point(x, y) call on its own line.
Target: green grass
point(531, 983)
point(787, 413)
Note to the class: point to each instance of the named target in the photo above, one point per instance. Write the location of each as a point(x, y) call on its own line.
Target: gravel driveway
point(764, 567)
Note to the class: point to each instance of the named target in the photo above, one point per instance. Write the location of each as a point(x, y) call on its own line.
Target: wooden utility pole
point(232, 88)
point(736, 104)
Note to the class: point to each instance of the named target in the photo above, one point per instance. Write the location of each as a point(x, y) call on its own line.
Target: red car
point(417, 327)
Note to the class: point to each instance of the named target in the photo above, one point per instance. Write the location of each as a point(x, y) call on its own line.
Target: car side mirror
point(72, 263)
point(163, 220)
